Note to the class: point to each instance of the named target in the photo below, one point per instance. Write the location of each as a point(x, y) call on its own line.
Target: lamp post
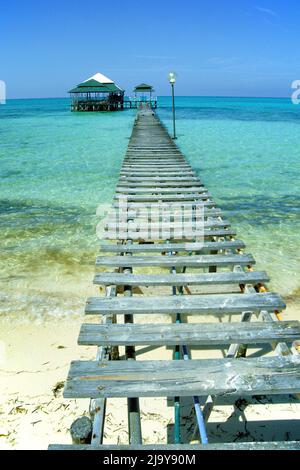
point(172, 80)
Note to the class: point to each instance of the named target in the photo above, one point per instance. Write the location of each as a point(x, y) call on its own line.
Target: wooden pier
point(203, 270)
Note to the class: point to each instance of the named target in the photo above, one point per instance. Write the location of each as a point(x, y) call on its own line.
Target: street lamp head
point(172, 77)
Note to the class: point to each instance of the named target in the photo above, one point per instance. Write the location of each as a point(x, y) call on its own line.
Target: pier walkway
point(169, 251)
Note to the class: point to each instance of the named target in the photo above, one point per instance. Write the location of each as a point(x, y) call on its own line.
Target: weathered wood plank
point(212, 304)
point(176, 247)
point(120, 279)
point(152, 162)
point(145, 214)
point(156, 168)
point(155, 163)
point(161, 189)
point(197, 334)
point(152, 159)
point(149, 173)
point(150, 169)
point(165, 147)
point(157, 152)
point(159, 184)
point(259, 446)
point(158, 178)
point(119, 204)
point(141, 236)
point(167, 197)
point(199, 261)
point(185, 227)
point(226, 377)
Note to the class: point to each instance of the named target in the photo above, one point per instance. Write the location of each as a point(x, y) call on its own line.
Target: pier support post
point(81, 430)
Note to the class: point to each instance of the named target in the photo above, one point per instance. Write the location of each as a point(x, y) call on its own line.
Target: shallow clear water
point(57, 166)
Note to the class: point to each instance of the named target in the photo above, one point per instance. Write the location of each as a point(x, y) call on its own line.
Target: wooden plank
point(225, 377)
point(153, 159)
point(156, 158)
point(152, 164)
point(166, 197)
point(211, 304)
point(157, 173)
point(172, 235)
point(165, 146)
point(259, 446)
point(192, 334)
point(161, 205)
point(155, 152)
point(199, 261)
point(160, 149)
point(160, 157)
point(120, 279)
point(150, 179)
point(159, 184)
point(155, 166)
point(186, 227)
point(142, 215)
point(177, 247)
point(160, 190)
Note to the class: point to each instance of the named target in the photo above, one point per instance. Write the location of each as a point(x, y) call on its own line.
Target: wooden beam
point(198, 261)
point(215, 304)
point(225, 377)
point(196, 334)
point(176, 247)
point(120, 279)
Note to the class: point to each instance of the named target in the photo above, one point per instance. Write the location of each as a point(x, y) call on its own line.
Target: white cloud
point(267, 11)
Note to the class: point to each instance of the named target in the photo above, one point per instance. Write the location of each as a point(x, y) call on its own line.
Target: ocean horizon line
point(165, 96)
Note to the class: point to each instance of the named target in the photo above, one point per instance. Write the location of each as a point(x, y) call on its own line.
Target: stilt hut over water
point(98, 93)
point(143, 94)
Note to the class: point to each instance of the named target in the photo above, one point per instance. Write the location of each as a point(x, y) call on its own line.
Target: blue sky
point(218, 48)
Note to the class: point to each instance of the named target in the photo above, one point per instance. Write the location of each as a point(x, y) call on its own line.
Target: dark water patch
point(260, 209)
point(68, 261)
point(29, 207)
point(23, 221)
point(10, 174)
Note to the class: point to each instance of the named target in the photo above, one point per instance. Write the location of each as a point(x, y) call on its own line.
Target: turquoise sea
point(57, 166)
